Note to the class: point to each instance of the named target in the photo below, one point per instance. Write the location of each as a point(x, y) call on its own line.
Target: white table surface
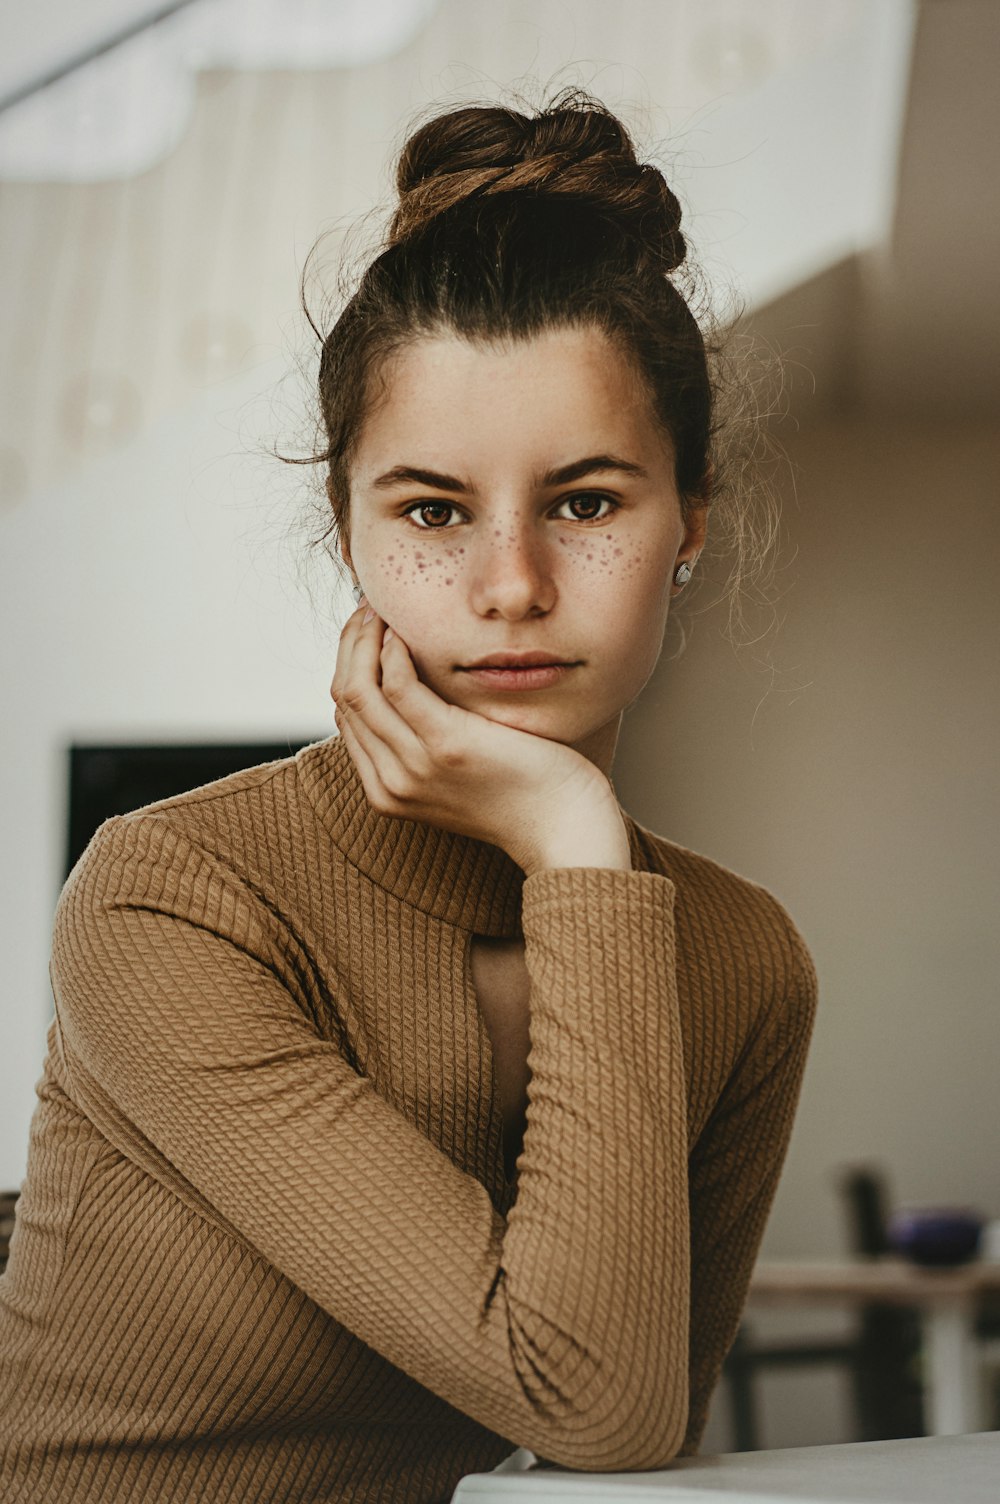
point(924, 1470)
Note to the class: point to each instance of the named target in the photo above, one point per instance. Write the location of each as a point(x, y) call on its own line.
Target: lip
point(518, 671)
point(510, 660)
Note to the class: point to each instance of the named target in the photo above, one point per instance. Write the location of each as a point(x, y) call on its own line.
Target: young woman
point(406, 1102)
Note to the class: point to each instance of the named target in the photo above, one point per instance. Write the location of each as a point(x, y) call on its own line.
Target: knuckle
point(445, 752)
point(381, 800)
point(421, 766)
point(393, 788)
point(352, 699)
point(396, 786)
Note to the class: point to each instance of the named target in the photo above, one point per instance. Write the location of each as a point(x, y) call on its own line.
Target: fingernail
point(387, 634)
point(369, 613)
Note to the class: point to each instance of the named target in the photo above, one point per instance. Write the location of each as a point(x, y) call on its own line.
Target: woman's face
point(520, 499)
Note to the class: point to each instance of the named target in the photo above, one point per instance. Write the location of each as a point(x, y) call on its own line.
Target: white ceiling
point(38, 39)
point(125, 109)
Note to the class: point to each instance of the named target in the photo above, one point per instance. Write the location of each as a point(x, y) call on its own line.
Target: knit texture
point(266, 1247)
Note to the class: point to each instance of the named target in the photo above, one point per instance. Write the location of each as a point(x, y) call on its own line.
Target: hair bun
point(576, 147)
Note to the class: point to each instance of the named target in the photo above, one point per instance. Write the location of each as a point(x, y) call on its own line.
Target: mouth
point(535, 659)
point(519, 671)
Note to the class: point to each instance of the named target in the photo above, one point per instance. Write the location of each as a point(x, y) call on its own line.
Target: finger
point(345, 648)
point(375, 790)
point(358, 670)
point(426, 715)
point(358, 691)
point(366, 644)
point(380, 752)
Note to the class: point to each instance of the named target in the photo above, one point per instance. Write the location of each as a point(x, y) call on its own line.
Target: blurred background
point(164, 169)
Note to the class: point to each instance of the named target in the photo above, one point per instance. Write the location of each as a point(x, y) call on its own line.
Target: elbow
point(640, 1429)
point(620, 1406)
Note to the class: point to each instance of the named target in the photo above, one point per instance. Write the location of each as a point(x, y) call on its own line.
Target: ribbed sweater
point(266, 1247)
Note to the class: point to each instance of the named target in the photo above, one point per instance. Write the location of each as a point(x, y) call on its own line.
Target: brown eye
point(432, 514)
point(587, 506)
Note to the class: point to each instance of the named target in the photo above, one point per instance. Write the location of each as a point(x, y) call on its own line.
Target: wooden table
point(946, 1300)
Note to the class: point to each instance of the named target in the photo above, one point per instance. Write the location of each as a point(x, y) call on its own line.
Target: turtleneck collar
point(456, 879)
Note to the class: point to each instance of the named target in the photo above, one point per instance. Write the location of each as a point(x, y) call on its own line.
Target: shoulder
point(733, 927)
point(202, 855)
point(228, 825)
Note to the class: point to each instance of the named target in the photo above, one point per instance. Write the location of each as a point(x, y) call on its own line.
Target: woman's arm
point(563, 1328)
point(734, 1174)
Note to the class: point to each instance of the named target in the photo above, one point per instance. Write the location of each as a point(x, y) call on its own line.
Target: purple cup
point(939, 1237)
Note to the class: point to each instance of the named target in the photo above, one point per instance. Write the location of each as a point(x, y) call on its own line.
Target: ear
point(696, 515)
point(695, 532)
point(692, 542)
point(343, 540)
point(344, 550)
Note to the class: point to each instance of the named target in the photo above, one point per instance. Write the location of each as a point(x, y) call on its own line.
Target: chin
point(539, 720)
point(524, 718)
point(539, 712)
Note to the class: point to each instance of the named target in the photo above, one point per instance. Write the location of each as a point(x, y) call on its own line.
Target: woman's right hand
point(421, 758)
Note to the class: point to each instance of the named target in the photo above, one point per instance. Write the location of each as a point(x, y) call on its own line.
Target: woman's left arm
point(733, 1175)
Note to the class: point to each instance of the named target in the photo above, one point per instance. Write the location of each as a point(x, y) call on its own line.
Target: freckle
point(590, 556)
point(392, 558)
point(449, 582)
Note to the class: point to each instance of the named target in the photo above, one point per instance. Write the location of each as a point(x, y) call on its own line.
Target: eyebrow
point(562, 475)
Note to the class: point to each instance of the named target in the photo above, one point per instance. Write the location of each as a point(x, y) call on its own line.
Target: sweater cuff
point(599, 945)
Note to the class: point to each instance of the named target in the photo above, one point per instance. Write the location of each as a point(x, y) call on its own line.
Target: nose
point(512, 574)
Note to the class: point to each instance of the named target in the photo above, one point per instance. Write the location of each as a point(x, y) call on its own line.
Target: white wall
point(856, 774)
point(161, 595)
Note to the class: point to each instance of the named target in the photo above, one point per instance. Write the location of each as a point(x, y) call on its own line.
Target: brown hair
point(508, 224)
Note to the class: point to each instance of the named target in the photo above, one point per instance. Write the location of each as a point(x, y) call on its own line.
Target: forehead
point(562, 387)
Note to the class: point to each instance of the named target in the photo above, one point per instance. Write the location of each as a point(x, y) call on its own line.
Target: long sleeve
point(734, 1174)
point(563, 1328)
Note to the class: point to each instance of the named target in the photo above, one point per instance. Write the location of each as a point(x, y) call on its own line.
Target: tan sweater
point(266, 1248)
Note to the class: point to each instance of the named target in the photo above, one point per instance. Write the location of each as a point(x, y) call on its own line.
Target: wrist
point(599, 841)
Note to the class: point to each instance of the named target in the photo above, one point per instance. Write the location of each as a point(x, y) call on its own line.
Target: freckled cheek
point(408, 573)
point(414, 589)
point(609, 563)
point(624, 583)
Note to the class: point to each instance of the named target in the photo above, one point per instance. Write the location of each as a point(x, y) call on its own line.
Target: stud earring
point(357, 592)
point(682, 573)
